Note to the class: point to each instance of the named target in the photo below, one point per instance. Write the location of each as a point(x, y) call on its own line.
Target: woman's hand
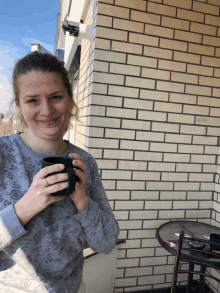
point(38, 197)
point(79, 196)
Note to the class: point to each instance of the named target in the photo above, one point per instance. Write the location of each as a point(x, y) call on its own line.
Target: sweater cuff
point(10, 226)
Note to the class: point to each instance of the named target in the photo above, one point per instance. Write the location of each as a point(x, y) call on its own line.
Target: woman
point(41, 236)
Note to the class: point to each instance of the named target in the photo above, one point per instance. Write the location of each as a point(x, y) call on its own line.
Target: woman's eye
point(56, 97)
point(59, 97)
point(31, 100)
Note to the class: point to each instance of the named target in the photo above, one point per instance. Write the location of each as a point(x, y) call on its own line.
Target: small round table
point(195, 229)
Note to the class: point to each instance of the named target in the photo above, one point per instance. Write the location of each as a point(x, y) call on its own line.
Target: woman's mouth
point(51, 122)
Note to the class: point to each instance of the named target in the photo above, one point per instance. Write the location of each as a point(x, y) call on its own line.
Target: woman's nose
point(47, 108)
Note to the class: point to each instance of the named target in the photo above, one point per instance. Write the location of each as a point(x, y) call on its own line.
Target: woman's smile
point(50, 123)
point(45, 104)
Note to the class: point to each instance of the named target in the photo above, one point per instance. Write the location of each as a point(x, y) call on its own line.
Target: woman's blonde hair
point(36, 61)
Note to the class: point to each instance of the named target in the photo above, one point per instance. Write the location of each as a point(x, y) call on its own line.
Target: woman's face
point(43, 97)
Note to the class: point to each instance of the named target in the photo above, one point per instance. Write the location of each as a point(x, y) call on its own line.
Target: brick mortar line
point(168, 28)
point(164, 91)
point(160, 152)
point(165, 15)
point(160, 58)
point(147, 89)
point(177, 7)
point(148, 78)
point(163, 59)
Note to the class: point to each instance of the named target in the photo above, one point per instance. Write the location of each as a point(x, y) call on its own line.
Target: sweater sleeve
point(10, 227)
point(100, 227)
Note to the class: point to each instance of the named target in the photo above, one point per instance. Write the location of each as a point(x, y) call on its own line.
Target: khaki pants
point(82, 288)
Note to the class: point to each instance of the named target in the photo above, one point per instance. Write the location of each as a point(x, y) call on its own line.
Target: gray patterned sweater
point(46, 255)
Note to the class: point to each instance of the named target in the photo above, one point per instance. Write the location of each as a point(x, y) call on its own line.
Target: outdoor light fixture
point(78, 30)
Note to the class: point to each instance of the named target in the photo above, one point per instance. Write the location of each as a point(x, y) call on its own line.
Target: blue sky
point(22, 23)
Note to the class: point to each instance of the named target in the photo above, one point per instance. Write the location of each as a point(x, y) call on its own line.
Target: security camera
point(78, 30)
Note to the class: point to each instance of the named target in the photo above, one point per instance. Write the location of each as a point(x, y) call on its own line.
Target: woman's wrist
point(82, 204)
point(23, 215)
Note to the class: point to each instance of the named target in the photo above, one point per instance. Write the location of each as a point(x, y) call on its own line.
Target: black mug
point(72, 178)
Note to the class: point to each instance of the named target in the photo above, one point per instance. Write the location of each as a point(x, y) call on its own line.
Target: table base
point(195, 288)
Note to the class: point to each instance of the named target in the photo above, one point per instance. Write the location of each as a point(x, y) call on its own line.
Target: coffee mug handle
point(71, 178)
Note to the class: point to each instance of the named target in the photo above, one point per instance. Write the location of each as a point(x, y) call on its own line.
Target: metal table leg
point(190, 277)
point(201, 283)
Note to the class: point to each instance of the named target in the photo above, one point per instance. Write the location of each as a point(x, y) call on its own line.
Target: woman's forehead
point(40, 77)
point(39, 81)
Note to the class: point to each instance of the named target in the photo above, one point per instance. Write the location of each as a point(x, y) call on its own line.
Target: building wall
point(152, 113)
point(149, 98)
point(85, 82)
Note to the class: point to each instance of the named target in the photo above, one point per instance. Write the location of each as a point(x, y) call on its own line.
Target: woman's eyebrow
point(35, 96)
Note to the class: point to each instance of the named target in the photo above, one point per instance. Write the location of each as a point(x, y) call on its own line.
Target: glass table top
point(194, 229)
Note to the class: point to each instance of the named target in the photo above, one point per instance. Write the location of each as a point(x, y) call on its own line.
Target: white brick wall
point(149, 93)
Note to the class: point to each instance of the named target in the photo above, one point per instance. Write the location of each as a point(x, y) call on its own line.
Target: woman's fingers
point(75, 156)
point(80, 174)
point(79, 164)
point(50, 169)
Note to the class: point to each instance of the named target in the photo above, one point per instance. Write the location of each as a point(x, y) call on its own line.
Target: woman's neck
point(42, 146)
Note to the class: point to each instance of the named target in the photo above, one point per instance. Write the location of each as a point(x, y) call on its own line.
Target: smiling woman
point(37, 80)
point(46, 63)
point(47, 118)
point(42, 236)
